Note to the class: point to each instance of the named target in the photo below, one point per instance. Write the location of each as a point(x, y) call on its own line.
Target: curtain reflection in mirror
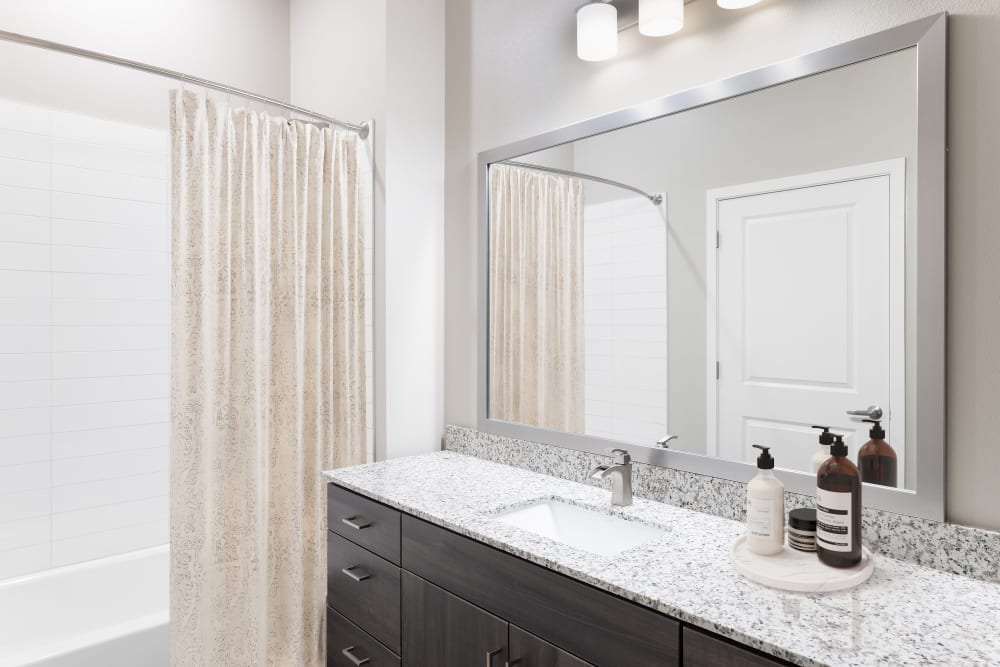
point(536, 299)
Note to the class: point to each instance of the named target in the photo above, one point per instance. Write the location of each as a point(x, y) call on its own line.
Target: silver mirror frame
point(929, 36)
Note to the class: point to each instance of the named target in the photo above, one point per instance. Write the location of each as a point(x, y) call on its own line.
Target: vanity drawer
point(704, 650)
point(598, 627)
point(347, 645)
point(364, 588)
point(366, 522)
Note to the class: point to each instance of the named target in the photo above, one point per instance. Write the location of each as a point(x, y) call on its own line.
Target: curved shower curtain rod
point(656, 199)
point(361, 129)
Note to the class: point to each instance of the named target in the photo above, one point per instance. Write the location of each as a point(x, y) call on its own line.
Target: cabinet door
point(445, 631)
point(704, 650)
point(527, 650)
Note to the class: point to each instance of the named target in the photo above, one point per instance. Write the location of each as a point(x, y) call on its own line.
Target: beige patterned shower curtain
point(536, 353)
point(267, 376)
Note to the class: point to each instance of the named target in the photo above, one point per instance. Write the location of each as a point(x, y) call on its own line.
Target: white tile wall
point(625, 320)
point(84, 288)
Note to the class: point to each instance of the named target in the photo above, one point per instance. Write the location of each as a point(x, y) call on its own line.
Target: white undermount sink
point(580, 527)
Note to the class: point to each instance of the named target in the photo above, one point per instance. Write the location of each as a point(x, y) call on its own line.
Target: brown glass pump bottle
point(876, 458)
point(838, 509)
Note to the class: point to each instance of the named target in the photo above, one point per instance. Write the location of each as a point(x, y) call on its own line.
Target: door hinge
point(718, 240)
point(718, 370)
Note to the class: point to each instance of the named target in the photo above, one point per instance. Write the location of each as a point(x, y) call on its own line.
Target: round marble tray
point(799, 571)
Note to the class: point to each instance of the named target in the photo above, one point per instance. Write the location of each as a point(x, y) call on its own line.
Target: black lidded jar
point(838, 509)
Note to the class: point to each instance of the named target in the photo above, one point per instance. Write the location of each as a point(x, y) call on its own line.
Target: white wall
point(84, 292)
point(243, 43)
point(337, 57)
point(385, 60)
point(513, 73)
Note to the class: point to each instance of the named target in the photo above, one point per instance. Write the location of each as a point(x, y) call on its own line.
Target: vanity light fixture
point(598, 22)
point(658, 18)
point(597, 31)
point(736, 4)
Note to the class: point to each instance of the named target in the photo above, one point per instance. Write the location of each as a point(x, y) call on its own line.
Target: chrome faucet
point(620, 472)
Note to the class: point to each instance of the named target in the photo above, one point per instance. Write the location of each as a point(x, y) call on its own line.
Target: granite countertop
point(904, 615)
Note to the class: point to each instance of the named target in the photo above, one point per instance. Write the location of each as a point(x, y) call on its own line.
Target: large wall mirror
point(730, 266)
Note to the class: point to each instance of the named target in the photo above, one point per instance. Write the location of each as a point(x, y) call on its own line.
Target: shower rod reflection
point(362, 129)
point(656, 199)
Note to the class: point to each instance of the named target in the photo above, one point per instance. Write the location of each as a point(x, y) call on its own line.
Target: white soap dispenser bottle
point(765, 508)
point(823, 453)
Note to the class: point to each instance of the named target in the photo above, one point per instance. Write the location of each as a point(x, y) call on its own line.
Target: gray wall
point(512, 72)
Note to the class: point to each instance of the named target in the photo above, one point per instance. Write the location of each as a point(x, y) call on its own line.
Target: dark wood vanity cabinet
point(704, 650)
point(442, 629)
point(527, 650)
point(402, 591)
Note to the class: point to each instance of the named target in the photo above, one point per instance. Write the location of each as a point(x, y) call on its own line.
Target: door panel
point(783, 265)
point(445, 631)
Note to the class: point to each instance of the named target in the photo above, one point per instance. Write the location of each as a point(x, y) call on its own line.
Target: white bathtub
point(111, 612)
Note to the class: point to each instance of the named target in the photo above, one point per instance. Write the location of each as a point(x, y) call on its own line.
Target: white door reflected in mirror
point(810, 281)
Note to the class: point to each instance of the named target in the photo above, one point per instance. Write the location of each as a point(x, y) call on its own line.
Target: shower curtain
point(536, 355)
point(267, 376)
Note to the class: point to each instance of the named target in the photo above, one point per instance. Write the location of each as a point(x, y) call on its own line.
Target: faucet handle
point(619, 456)
point(662, 442)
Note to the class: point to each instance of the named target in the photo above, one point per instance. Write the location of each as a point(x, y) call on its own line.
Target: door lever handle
point(872, 412)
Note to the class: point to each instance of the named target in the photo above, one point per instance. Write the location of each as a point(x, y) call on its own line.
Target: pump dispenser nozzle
point(825, 438)
point(823, 453)
point(876, 432)
point(765, 461)
point(838, 448)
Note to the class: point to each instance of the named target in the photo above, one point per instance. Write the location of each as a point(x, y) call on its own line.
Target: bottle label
point(833, 520)
point(760, 517)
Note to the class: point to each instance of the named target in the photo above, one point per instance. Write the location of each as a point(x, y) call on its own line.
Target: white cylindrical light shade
point(736, 4)
point(660, 17)
point(596, 32)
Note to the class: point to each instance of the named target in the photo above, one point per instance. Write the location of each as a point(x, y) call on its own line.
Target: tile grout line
point(51, 345)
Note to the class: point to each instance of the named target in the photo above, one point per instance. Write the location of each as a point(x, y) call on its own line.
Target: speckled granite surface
point(945, 546)
point(904, 615)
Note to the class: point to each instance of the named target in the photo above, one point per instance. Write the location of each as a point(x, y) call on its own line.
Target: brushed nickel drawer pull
point(353, 522)
point(356, 577)
point(355, 660)
point(490, 654)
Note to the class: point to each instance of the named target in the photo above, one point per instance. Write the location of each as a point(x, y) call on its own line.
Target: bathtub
point(111, 612)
